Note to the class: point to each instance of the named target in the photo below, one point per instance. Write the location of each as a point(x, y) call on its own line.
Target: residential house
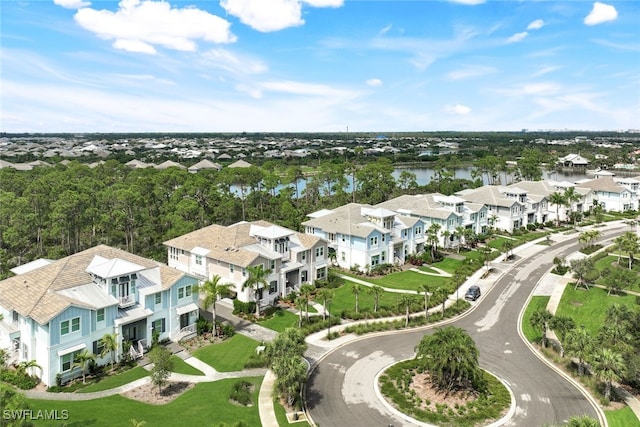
point(54, 311)
point(449, 212)
point(364, 236)
point(204, 164)
point(574, 161)
point(291, 258)
point(506, 206)
point(612, 195)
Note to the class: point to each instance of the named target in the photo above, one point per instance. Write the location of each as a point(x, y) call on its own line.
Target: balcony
point(126, 301)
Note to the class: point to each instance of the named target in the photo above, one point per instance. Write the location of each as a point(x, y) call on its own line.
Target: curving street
point(341, 391)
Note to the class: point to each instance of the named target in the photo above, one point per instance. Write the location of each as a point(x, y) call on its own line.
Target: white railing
point(137, 353)
point(126, 301)
point(179, 334)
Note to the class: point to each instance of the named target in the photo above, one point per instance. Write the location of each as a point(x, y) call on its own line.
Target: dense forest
point(56, 211)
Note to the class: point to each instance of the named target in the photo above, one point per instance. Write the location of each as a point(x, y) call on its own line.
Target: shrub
point(20, 380)
point(241, 393)
point(243, 307)
point(228, 331)
point(256, 361)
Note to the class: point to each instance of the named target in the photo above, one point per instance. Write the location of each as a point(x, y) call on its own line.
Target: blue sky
point(318, 65)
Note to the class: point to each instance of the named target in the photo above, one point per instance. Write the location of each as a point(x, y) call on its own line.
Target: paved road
point(340, 391)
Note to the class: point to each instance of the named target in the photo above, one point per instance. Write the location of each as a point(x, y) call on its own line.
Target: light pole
point(329, 313)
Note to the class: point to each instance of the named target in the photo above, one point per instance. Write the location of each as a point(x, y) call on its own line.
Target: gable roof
point(605, 183)
point(236, 243)
point(346, 219)
point(45, 292)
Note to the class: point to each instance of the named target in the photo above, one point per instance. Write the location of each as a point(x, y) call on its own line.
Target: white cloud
point(600, 13)
point(374, 82)
point(141, 25)
point(231, 62)
point(517, 37)
point(308, 89)
point(469, 72)
point(536, 25)
point(545, 70)
point(459, 109)
point(468, 2)
point(72, 4)
point(385, 30)
point(272, 15)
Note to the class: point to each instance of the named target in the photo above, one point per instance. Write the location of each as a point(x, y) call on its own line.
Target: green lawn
point(588, 307)
point(622, 418)
point(182, 367)
point(230, 355)
point(346, 300)
point(449, 265)
point(113, 381)
point(408, 280)
point(536, 303)
point(206, 404)
point(281, 416)
point(281, 319)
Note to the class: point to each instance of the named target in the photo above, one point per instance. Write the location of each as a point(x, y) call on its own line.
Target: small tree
point(540, 321)
point(581, 268)
point(306, 291)
point(82, 361)
point(424, 288)
point(405, 301)
point(162, 366)
point(300, 303)
point(607, 365)
point(561, 325)
point(326, 295)
point(356, 288)
point(256, 280)
point(213, 290)
point(376, 291)
point(579, 343)
point(109, 344)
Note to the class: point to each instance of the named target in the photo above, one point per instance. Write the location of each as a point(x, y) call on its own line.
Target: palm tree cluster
point(610, 355)
point(451, 358)
point(284, 355)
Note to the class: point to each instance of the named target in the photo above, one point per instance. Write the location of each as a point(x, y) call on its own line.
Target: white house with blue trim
point(56, 310)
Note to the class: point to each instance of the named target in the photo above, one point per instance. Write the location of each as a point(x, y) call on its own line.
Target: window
point(158, 326)
point(343, 256)
point(303, 255)
point(383, 237)
point(418, 230)
point(273, 287)
point(273, 265)
point(184, 292)
point(66, 325)
point(100, 315)
point(158, 298)
point(66, 361)
point(244, 272)
point(405, 232)
point(373, 241)
point(321, 273)
point(198, 259)
point(98, 347)
point(173, 253)
point(231, 268)
point(319, 251)
point(384, 256)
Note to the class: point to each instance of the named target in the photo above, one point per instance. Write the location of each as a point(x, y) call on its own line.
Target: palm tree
point(451, 357)
point(301, 302)
point(432, 235)
point(82, 361)
point(256, 280)
point(356, 288)
point(326, 295)
point(508, 247)
point(213, 290)
point(405, 301)
point(540, 321)
point(562, 325)
point(441, 293)
point(376, 291)
point(446, 234)
point(607, 366)
point(306, 291)
point(459, 233)
point(109, 344)
point(26, 366)
point(570, 196)
point(579, 343)
point(631, 245)
point(581, 268)
point(557, 199)
point(424, 288)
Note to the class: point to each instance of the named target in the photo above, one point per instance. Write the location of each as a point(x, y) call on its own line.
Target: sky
point(318, 65)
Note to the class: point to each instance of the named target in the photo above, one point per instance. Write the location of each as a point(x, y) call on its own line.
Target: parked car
point(473, 293)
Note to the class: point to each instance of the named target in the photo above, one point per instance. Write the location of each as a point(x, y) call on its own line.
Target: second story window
point(198, 259)
point(100, 315)
point(373, 241)
point(319, 251)
point(231, 268)
point(184, 292)
point(158, 298)
point(67, 326)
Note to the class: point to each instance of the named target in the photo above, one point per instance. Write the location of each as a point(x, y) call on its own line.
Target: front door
point(184, 320)
point(130, 333)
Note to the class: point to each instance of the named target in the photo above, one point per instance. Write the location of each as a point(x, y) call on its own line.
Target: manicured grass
point(346, 300)
point(536, 303)
point(588, 308)
point(207, 404)
point(281, 416)
point(622, 418)
point(182, 367)
point(449, 265)
point(230, 355)
point(408, 280)
point(112, 381)
point(281, 319)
